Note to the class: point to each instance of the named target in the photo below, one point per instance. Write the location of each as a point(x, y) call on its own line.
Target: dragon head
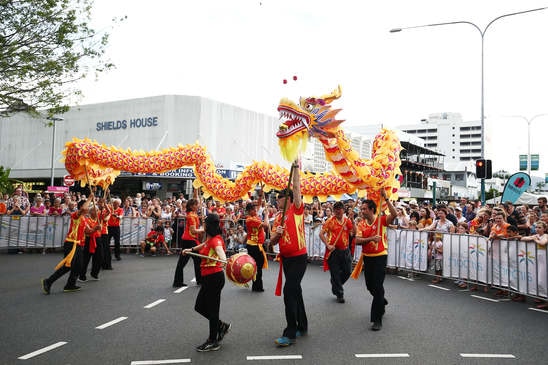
point(312, 117)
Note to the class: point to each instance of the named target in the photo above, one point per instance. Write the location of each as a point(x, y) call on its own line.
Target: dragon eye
point(309, 106)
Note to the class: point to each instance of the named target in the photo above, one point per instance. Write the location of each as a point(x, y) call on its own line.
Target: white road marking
point(108, 324)
point(155, 362)
point(439, 287)
point(180, 290)
point(154, 304)
point(539, 310)
point(380, 355)
point(484, 298)
point(193, 280)
point(275, 357)
point(405, 278)
point(497, 356)
point(42, 350)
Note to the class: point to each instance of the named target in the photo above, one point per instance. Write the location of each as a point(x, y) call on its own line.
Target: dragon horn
point(335, 94)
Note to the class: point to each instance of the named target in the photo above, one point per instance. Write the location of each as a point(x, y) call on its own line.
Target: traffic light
point(483, 169)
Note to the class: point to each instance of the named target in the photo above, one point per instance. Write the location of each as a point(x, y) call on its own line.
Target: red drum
point(241, 268)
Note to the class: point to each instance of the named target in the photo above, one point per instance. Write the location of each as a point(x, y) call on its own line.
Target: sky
point(240, 51)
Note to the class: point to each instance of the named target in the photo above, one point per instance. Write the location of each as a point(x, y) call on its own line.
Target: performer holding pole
point(335, 234)
point(74, 243)
point(190, 239)
point(371, 234)
point(255, 228)
point(289, 234)
point(208, 301)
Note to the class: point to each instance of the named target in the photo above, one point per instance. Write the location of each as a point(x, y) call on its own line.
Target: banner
point(515, 186)
point(465, 257)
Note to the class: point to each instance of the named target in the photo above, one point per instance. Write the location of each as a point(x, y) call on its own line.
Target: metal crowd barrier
point(511, 265)
point(24, 232)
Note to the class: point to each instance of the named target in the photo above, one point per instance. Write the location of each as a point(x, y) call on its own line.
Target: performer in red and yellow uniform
point(116, 215)
point(289, 235)
point(255, 228)
point(371, 234)
point(74, 242)
point(190, 239)
point(335, 234)
point(90, 248)
point(208, 301)
point(103, 246)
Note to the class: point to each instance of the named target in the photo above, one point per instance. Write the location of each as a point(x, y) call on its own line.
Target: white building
point(233, 136)
point(458, 140)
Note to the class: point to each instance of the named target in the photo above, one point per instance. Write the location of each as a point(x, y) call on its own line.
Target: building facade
point(233, 136)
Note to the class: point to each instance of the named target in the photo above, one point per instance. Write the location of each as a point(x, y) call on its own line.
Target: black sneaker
point(82, 279)
point(94, 277)
point(46, 286)
point(223, 330)
point(69, 289)
point(340, 300)
point(208, 346)
point(376, 326)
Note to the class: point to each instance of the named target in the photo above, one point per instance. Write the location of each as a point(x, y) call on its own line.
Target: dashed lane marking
point(155, 362)
point(539, 310)
point(370, 356)
point(275, 357)
point(42, 350)
point(439, 287)
point(484, 298)
point(180, 290)
point(154, 304)
point(485, 356)
point(108, 324)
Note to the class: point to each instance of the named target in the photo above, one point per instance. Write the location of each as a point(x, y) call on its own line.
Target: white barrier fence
point(18, 232)
point(514, 265)
point(509, 264)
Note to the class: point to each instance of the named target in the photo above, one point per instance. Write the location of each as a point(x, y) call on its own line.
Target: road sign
point(68, 180)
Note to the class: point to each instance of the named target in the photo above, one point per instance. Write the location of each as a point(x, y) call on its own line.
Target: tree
point(45, 46)
point(6, 184)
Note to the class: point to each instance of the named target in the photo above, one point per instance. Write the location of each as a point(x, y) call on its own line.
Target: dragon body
point(96, 164)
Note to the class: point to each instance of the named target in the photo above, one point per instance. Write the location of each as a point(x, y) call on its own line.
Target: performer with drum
point(289, 234)
point(208, 301)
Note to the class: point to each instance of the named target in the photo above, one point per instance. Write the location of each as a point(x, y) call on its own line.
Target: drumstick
point(205, 257)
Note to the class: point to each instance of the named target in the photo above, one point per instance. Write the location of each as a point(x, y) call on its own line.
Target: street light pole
point(482, 34)
point(54, 121)
point(529, 121)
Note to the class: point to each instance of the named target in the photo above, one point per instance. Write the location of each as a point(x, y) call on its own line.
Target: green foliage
point(6, 184)
point(45, 46)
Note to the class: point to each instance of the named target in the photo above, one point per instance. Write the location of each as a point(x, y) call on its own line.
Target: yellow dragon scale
point(96, 164)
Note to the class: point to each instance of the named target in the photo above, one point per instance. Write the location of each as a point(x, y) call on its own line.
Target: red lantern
point(241, 268)
point(285, 81)
point(294, 78)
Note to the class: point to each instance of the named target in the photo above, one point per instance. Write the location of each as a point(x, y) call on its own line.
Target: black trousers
point(75, 266)
point(255, 252)
point(114, 231)
point(295, 314)
point(107, 257)
point(208, 301)
point(178, 278)
point(340, 268)
point(374, 272)
point(96, 258)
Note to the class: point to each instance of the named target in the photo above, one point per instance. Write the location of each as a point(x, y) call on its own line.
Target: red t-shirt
point(192, 219)
point(208, 267)
point(255, 231)
point(367, 230)
point(77, 228)
point(292, 242)
point(115, 221)
point(338, 231)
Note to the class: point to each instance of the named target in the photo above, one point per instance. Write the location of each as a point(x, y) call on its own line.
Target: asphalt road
point(134, 316)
